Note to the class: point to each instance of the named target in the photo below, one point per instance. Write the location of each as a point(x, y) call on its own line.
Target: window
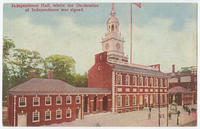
point(146, 81)
point(134, 80)
point(151, 82)
point(134, 100)
point(36, 116)
point(58, 114)
point(78, 98)
point(59, 100)
point(68, 113)
point(48, 100)
point(141, 81)
point(156, 81)
point(119, 89)
point(127, 100)
point(151, 99)
point(119, 101)
point(161, 82)
point(68, 99)
point(36, 101)
point(166, 81)
point(22, 102)
point(156, 99)
point(48, 115)
point(127, 80)
point(127, 89)
point(119, 79)
point(141, 100)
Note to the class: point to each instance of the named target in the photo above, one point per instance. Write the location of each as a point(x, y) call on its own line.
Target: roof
point(139, 69)
point(53, 86)
point(178, 89)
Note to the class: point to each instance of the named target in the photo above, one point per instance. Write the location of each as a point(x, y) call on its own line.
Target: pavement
point(135, 118)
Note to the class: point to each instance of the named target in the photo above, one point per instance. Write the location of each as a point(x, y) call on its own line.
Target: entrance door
point(105, 103)
point(95, 103)
point(77, 113)
point(22, 120)
point(85, 103)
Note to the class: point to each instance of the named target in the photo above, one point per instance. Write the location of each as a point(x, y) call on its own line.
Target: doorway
point(77, 113)
point(105, 103)
point(85, 103)
point(22, 119)
point(95, 103)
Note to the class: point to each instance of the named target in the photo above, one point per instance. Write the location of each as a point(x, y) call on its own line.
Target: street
point(134, 118)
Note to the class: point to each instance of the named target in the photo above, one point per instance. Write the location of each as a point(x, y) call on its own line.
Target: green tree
point(80, 80)
point(8, 45)
point(62, 66)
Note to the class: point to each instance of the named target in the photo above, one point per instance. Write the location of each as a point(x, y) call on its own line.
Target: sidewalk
point(135, 118)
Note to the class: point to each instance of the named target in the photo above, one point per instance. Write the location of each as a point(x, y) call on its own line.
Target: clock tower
point(113, 42)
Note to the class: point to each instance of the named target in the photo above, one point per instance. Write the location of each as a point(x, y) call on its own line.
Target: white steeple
point(113, 42)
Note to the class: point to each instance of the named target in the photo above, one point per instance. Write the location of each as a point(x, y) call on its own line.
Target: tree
point(8, 45)
point(62, 66)
point(80, 80)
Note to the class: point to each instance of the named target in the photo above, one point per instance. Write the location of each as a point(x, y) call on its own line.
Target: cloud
point(153, 42)
point(68, 38)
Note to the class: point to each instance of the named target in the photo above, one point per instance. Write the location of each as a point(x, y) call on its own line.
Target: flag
point(138, 4)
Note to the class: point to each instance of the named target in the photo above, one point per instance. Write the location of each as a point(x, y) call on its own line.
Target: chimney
point(31, 75)
point(50, 74)
point(173, 68)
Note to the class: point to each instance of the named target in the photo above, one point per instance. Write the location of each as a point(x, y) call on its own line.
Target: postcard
point(99, 64)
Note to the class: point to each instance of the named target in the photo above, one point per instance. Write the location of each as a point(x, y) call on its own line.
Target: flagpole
point(131, 35)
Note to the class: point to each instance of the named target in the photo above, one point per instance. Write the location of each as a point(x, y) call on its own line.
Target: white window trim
point(134, 100)
point(119, 75)
point(156, 82)
point(60, 115)
point(127, 101)
point(45, 101)
point(151, 99)
point(38, 116)
point(141, 83)
point(24, 100)
point(46, 113)
point(161, 82)
point(151, 82)
point(60, 100)
point(38, 101)
point(79, 99)
point(141, 100)
point(70, 99)
point(128, 80)
point(120, 101)
point(146, 81)
point(135, 80)
point(69, 112)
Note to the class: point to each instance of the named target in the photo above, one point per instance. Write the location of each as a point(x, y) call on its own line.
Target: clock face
point(107, 46)
point(118, 46)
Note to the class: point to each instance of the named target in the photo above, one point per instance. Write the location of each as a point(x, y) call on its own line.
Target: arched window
point(156, 81)
point(141, 81)
point(134, 80)
point(119, 79)
point(112, 28)
point(146, 81)
point(151, 82)
point(161, 82)
point(127, 80)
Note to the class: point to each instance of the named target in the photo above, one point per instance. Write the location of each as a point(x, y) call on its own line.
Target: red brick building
point(113, 85)
point(133, 86)
point(187, 79)
point(46, 101)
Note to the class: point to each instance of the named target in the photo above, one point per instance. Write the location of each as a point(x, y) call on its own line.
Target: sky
point(163, 33)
